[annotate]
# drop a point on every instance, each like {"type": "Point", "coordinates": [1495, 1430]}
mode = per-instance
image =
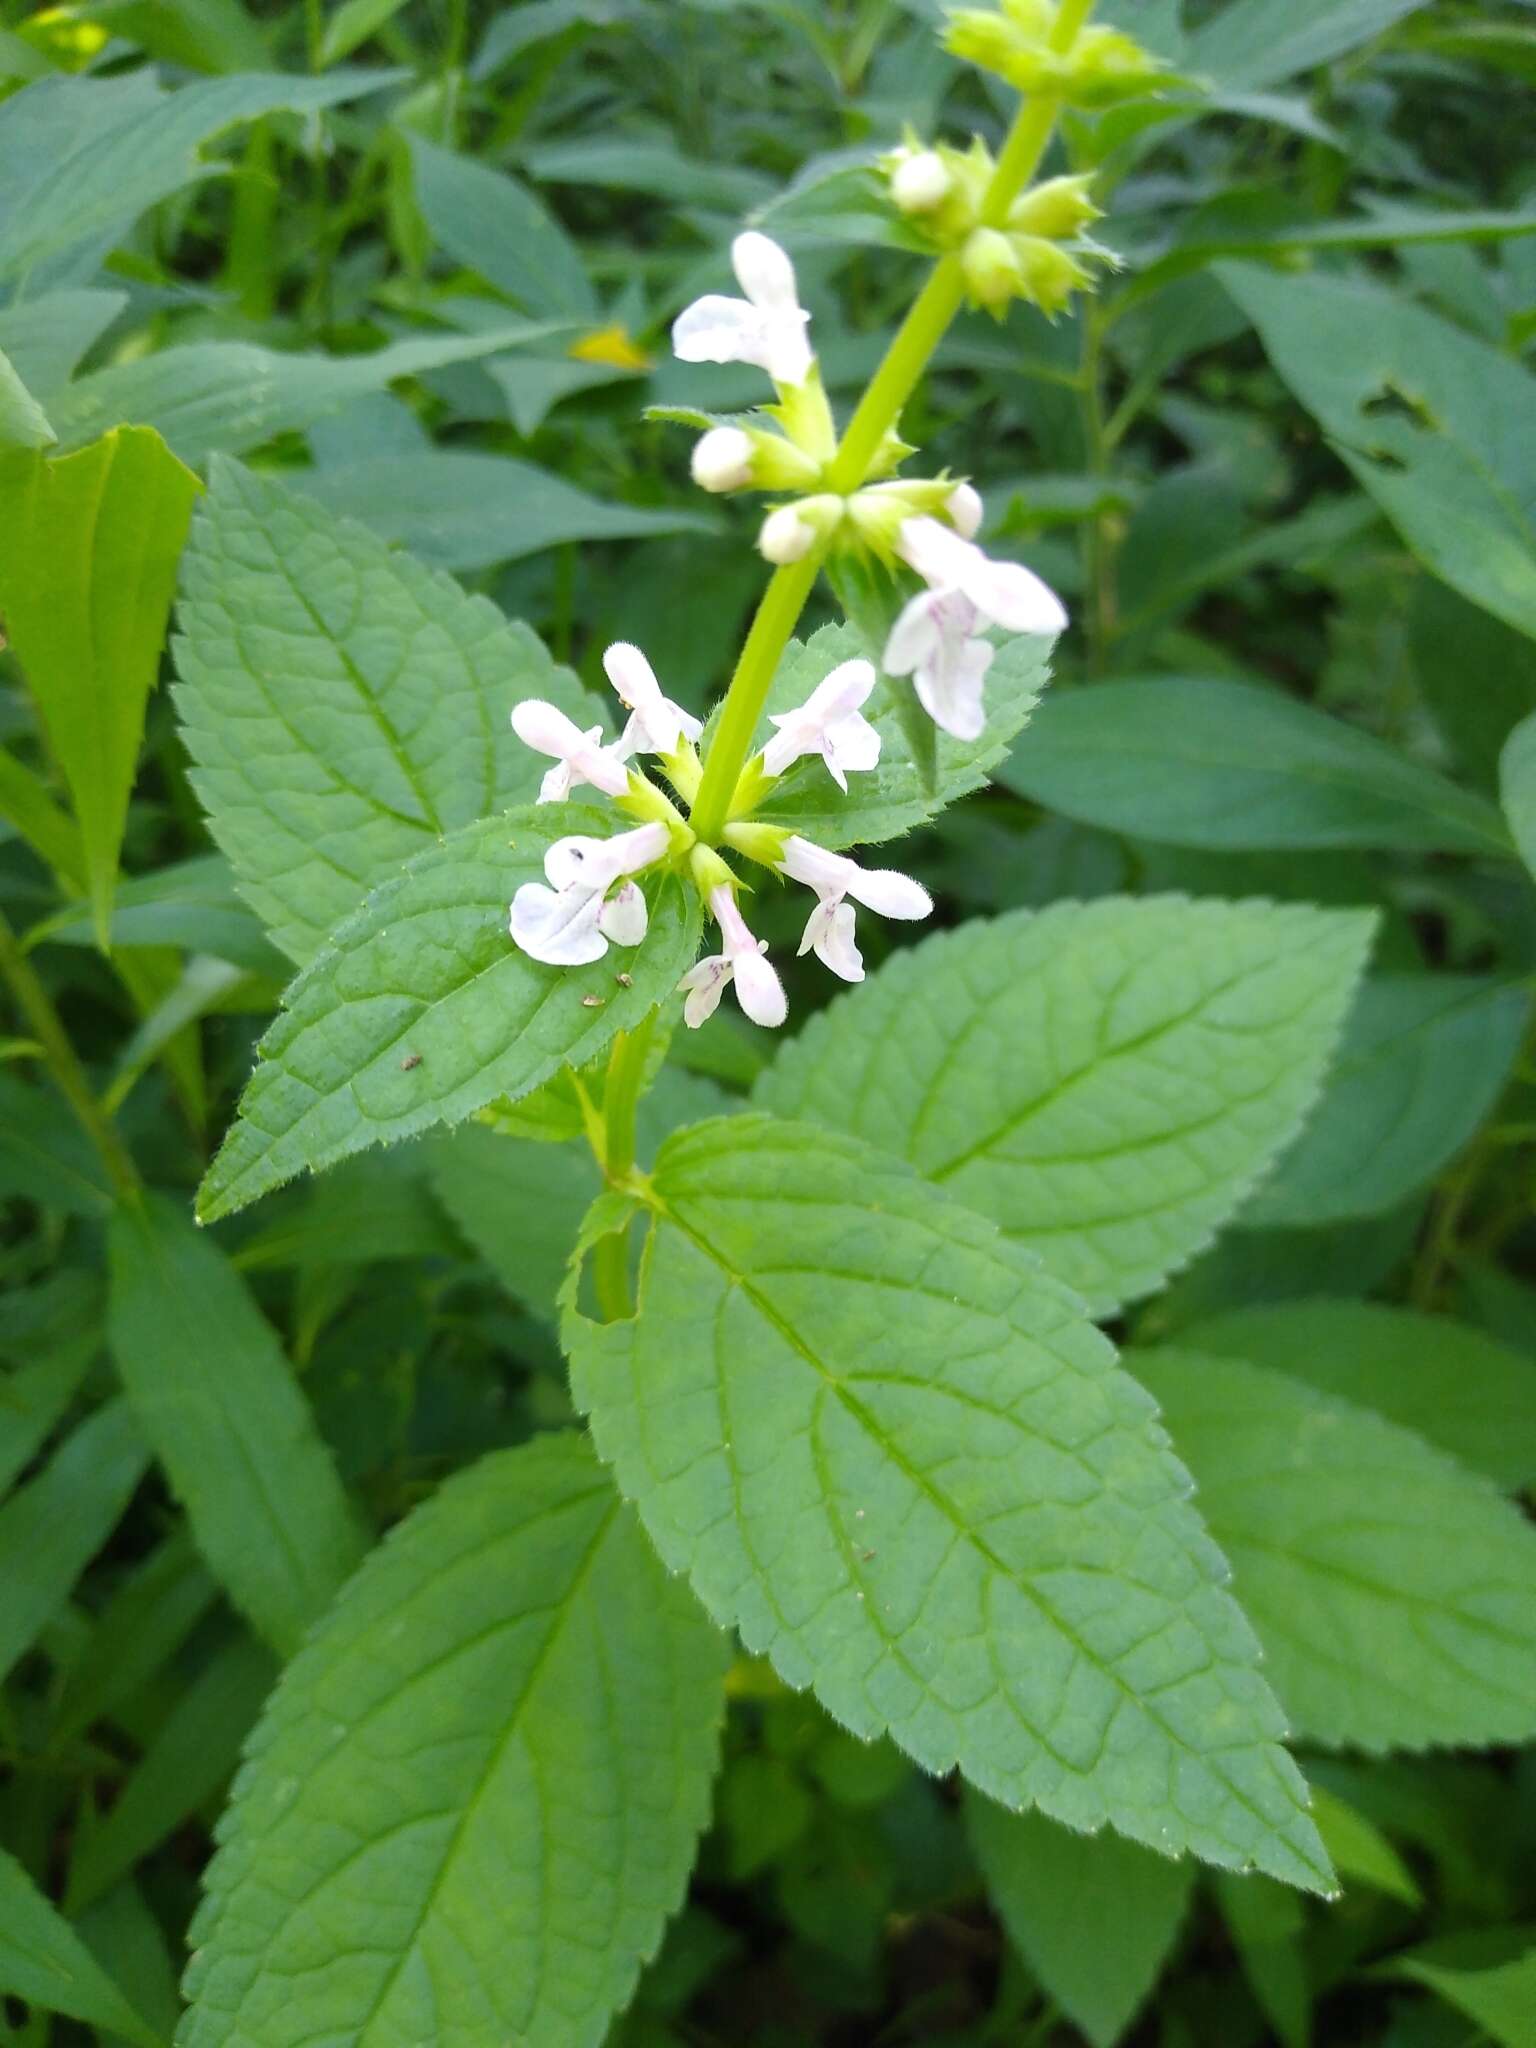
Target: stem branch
{"type": "Point", "coordinates": [877, 412]}
{"type": "Point", "coordinates": [36, 1006]}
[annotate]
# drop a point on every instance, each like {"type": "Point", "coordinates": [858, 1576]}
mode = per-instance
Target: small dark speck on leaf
{"type": "Point", "coordinates": [412, 1059]}
{"type": "Point", "coordinates": [625, 980]}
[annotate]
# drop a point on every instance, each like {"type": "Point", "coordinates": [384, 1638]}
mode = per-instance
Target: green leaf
{"type": "Point", "coordinates": [46, 1156]}
{"type": "Point", "coordinates": [46, 337]}
{"type": "Point", "coordinates": [473, 1801]}
{"type": "Point", "coordinates": [1394, 1591]}
{"type": "Point", "coordinates": [44, 1961]}
{"type": "Point", "coordinates": [1490, 1975]}
{"type": "Point", "coordinates": [1246, 44]}
{"type": "Point", "coordinates": [898, 795]}
{"type": "Point", "coordinates": [1196, 762]}
{"type": "Point", "coordinates": [493, 225]}
{"type": "Point", "coordinates": [227, 396]}
{"type": "Point", "coordinates": [1106, 1081]}
{"type": "Point", "coordinates": [345, 707]}
{"type": "Point", "coordinates": [1434, 423]}
{"type": "Point", "coordinates": [23, 423]}
{"type": "Point", "coordinates": [31, 1401]}
{"type": "Point", "coordinates": [464, 509]}
{"type": "Point", "coordinates": [1423, 1060]}
{"type": "Point", "coordinates": [86, 578]}
{"type": "Point", "coordinates": [1517, 787]}
{"type": "Point", "coordinates": [191, 905]}
{"type": "Point", "coordinates": [1360, 1852]}
{"type": "Point", "coordinates": [1454, 1385]}
{"type": "Point", "coordinates": [351, 24]}
{"type": "Point", "coordinates": [81, 159]}
{"type": "Point", "coordinates": [1094, 1917]}
{"type": "Point", "coordinates": [1268, 1927]}
{"type": "Point", "coordinates": [421, 1010]}
{"type": "Point", "coordinates": [53, 1526]}
{"type": "Point", "coordinates": [190, 1757]}
{"type": "Point", "coordinates": [27, 806]}
{"type": "Point", "coordinates": [891, 1450]}
{"type": "Point", "coordinates": [142, 1626]}
{"type": "Point", "coordinates": [217, 1399]}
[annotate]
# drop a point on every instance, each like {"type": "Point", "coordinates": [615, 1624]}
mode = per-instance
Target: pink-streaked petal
{"type": "Point", "coordinates": [704, 984]}
{"type": "Point", "coordinates": [623, 916]}
{"type": "Point", "coordinates": [853, 743]}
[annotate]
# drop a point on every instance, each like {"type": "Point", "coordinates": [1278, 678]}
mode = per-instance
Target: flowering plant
{"type": "Point", "coordinates": [811, 1181]}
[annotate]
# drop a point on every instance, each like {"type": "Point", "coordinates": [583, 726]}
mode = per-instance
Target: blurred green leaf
{"type": "Point", "coordinates": [1094, 1916]}
{"type": "Point", "coordinates": [216, 1397]}
{"type": "Point", "coordinates": [1424, 1059]}
{"type": "Point", "coordinates": [51, 1527]}
{"type": "Point", "coordinates": [86, 579]}
{"type": "Point", "coordinates": [1191, 761]}
{"type": "Point", "coordinates": [44, 1961]}
{"type": "Point", "coordinates": [1456, 1386]}
{"type": "Point", "coordinates": [1393, 1590]}
{"type": "Point", "coordinates": [1439, 427]}
{"type": "Point", "coordinates": [487, 221]}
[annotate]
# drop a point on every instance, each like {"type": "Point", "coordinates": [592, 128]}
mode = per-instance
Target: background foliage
{"type": "Point", "coordinates": [418, 260]}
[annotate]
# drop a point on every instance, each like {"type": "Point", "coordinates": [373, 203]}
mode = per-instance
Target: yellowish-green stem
{"type": "Point", "coordinates": [877, 412]}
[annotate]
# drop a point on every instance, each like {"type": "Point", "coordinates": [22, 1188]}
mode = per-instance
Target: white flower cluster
{"type": "Point", "coordinates": [937, 640]}
{"type": "Point", "coordinates": [591, 897]}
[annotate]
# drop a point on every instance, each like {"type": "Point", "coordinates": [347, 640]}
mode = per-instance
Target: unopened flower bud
{"type": "Point", "coordinates": [785, 537]}
{"type": "Point", "coordinates": [993, 274]}
{"type": "Point", "coordinates": [722, 460]}
{"type": "Point", "coordinates": [1050, 275]}
{"type": "Point", "coordinates": [921, 182]}
{"type": "Point", "coordinates": [965, 510]}
{"type": "Point", "coordinates": [1057, 209]}
{"type": "Point", "coordinates": [791, 531]}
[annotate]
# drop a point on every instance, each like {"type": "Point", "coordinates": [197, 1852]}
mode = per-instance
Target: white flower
{"type": "Point", "coordinates": [722, 460]}
{"type": "Point", "coordinates": [570, 923]}
{"type": "Point", "coordinates": [766, 328]}
{"type": "Point", "coordinates": [829, 929]}
{"type": "Point", "coordinates": [828, 723]}
{"type": "Point", "coordinates": [655, 722]}
{"type": "Point", "coordinates": [578, 755]}
{"type": "Point", "coordinates": [935, 639]}
{"type": "Point", "coordinates": [758, 989]}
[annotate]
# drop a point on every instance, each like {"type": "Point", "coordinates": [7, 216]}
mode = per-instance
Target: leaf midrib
{"type": "Point", "coordinates": [861, 1415]}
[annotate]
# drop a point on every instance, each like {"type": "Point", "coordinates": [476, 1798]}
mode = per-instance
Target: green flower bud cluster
{"type": "Point", "coordinates": [942, 192]}
{"type": "Point", "coordinates": [1101, 66]}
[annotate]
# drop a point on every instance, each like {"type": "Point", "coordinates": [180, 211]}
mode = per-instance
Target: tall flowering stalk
{"type": "Point", "coordinates": [997, 236]}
